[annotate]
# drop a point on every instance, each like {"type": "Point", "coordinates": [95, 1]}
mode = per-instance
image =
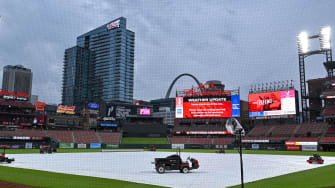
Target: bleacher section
{"type": "Point", "coordinates": [329, 136]}
{"type": "Point", "coordinates": [190, 140]}
{"type": "Point", "coordinates": [69, 136]}
{"type": "Point", "coordinates": [62, 136]}
{"type": "Point", "coordinates": [283, 130]}
{"type": "Point", "coordinates": [308, 132]}
{"type": "Point", "coordinates": [179, 140]}
{"type": "Point", "coordinates": [326, 140]}
{"type": "Point", "coordinates": [9, 133]}
{"type": "Point", "coordinates": [312, 128]}
{"type": "Point", "coordinates": [305, 139]}
{"type": "Point", "coordinates": [109, 138]}
{"type": "Point", "coordinates": [85, 137]}
{"type": "Point", "coordinates": [200, 141]}
{"type": "Point", "coordinates": [260, 130]}
{"type": "Point", "coordinates": [200, 128]}
{"type": "Point", "coordinates": [223, 141]}
{"type": "Point", "coordinates": [31, 132]}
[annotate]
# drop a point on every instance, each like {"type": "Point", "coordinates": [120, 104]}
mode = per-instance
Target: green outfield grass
{"type": "Point", "coordinates": [55, 180]}
{"type": "Point", "coordinates": [137, 140]}
{"type": "Point", "coordinates": [265, 152]}
{"type": "Point", "coordinates": [318, 177]}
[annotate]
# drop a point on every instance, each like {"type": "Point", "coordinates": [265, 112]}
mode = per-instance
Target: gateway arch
{"type": "Point", "coordinates": [175, 80]}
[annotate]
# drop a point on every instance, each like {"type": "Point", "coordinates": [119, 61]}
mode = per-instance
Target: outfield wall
{"type": "Point", "coordinates": [288, 146]}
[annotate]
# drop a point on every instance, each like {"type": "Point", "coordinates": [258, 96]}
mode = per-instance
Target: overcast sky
{"type": "Point", "coordinates": [240, 43]}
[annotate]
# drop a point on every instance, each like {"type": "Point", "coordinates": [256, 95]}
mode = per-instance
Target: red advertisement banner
{"type": "Point", "coordinates": [207, 109]}
{"type": "Point", "coordinates": [293, 148]}
{"type": "Point", "coordinates": [264, 102]}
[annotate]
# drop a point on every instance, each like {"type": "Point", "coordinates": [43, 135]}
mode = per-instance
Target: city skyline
{"type": "Point", "coordinates": [212, 41]}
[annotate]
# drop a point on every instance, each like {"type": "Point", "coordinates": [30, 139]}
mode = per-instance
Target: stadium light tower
{"type": "Point", "coordinates": [303, 42]}
{"type": "Point", "coordinates": [303, 52]}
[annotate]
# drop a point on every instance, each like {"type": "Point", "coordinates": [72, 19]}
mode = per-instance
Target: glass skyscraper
{"type": "Point", "coordinates": [17, 79]}
{"type": "Point", "coordinates": [101, 66]}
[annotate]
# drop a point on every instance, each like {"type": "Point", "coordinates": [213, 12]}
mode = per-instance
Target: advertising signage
{"type": "Point", "coordinates": [15, 96]}
{"type": "Point", "coordinates": [205, 90]}
{"type": "Point", "coordinates": [93, 105]}
{"type": "Point", "coordinates": [40, 105]}
{"type": "Point", "coordinates": [208, 106]}
{"type": "Point", "coordinates": [144, 111]}
{"type": "Point", "coordinates": [108, 124]}
{"type": "Point", "coordinates": [65, 109]}
{"type": "Point", "coordinates": [272, 104]}
{"type": "Point", "coordinates": [121, 111]}
{"type": "Point", "coordinates": [113, 25]}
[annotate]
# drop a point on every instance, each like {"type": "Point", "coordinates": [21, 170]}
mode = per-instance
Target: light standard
{"type": "Point", "coordinates": [303, 52]}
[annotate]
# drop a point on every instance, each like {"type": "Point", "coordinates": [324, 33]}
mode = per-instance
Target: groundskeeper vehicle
{"type": "Point", "coordinates": [3, 158]}
{"type": "Point", "coordinates": [47, 149]}
{"type": "Point", "coordinates": [174, 162]}
{"type": "Point", "coordinates": [316, 158]}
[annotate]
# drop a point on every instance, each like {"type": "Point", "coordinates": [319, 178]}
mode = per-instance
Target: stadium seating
{"type": "Point", "coordinates": [32, 132]}
{"type": "Point", "coordinates": [255, 138]}
{"type": "Point", "coordinates": [260, 130]}
{"type": "Point", "coordinates": [329, 136]}
{"type": "Point", "coordinates": [66, 136]}
{"type": "Point", "coordinates": [85, 137]}
{"type": "Point", "coordinates": [200, 141]}
{"type": "Point", "coordinates": [305, 139]}
{"type": "Point", "coordinates": [9, 133]}
{"type": "Point", "coordinates": [280, 130]}
{"type": "Point", "coordinates": [109, 138]}
{"type": "Point", "coordinates": [315, 129]}
{"type": "Point", "coordinates": [223, 140]}
{"type": "Point", "coordinates": [328, 140]}
{"type": "Point", "coordinates": [61, 136]}
{"type": "Point", "coordinates": [179, 140]}
{"type": "Point", "coordinates": [279, 137]}
{"type": "Point", "coordinates": [331, 131]}
{"type": "Point", "coordinates": [200, 128]}
{"type": "Point", "coordinates": [328, 111]}
{"type": "Point", "coordinates": [266, 138]}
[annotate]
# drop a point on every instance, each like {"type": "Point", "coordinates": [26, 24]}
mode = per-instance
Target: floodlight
{"type": "Point", "coordinates": [302, 42]}
{"type": "Point", "coordinates": [325, 38]}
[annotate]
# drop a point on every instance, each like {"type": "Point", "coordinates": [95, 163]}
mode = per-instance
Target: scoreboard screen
{"type": "Point", "coordinates": [208, 107]}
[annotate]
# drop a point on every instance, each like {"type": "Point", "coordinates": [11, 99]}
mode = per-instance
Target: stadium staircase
{"type": "Point", "coordinates": [323, 134]}
{"type": "Point", "coordinates": [295, 131]}
{"type": "Point", "coordinates": [73, 137]}
{"type": "Point", "coordinates": [269, 131]}
{"type": "Point", "coordinates": [98, 136]}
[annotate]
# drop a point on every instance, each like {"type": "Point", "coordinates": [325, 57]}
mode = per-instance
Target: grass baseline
{"type": "Point", "coordinates": [317, 177]}
{"type": "Point", "coordinates": [60, 180]}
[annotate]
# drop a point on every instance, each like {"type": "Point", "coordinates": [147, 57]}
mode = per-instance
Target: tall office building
{"type": "Point", "coordinates": [17, 79]}
{"type": "Point", "coordinates": [106, 64]}
{"type": "Point", "coordinates": [76, 72]}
